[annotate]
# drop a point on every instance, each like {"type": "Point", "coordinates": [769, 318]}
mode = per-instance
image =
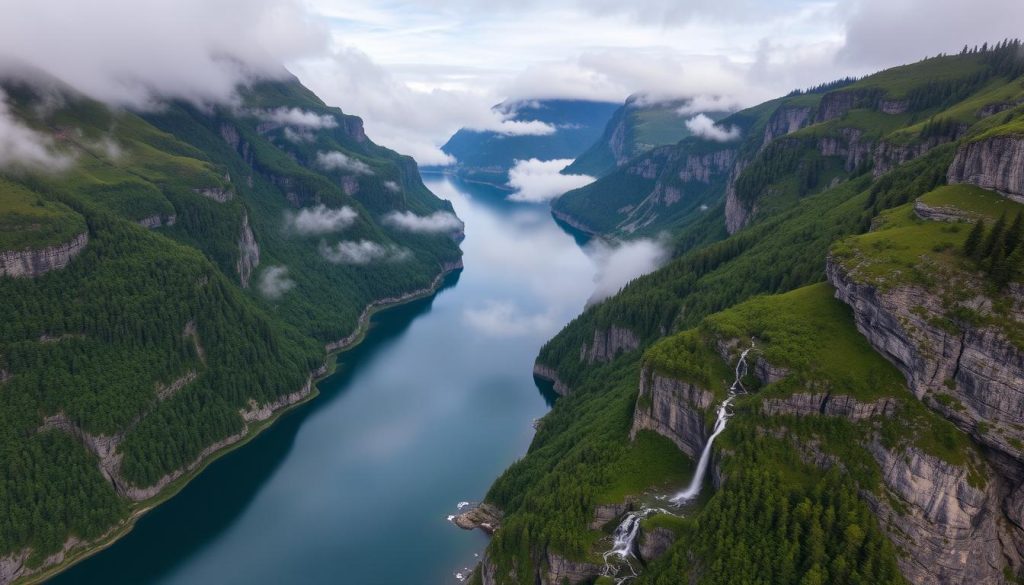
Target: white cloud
{"type": "Point", "coordinates": [705, 127]}
{"type": "Point", "coordinates": [362, 252]}
{"type": "Point", "coordinates": [437, 222]}
{"type": "Point", "coordinates": [507, 319]}
{"type": "Point", "coordinates": [274, 282]}
{"type": "Point", "coordinates": [298, 118]}
{"type": "Point", "coordinates": [709, 103]}
{"type": "Point", "coordinates": [392, 186]}
{"type": "Point", "coordinates": [129, 52]}
{"type": "Point", "coordinates": [334, 161]}
{"type": "Point", "coordinates": [21, 146]}
{"type": "Point", "coordinates": [541, 180]}
{"type": "Point", "coordinates": [618, 265]}
{"type": "Point", "coordinates": [320, 219]}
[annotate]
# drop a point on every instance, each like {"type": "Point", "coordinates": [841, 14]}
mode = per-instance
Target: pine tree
{"type": "Point", "coordinates": [995, 237]}
{"type": "Point", "coordinates": [1013, 235]}
{"type": "Point", "coordinates": [974, 238]}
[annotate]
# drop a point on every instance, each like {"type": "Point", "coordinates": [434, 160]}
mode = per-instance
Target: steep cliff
{"type": "Point", "coordinates": [991, 163]}
{"type": "Point", "coordinates": [674, 409]}
{"type": "Point", "coordinates": [32, 263]}
{"type": "Point", "coordinates": [248, 253]}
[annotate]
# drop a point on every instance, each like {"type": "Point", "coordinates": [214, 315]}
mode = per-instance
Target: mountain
{"type": "Point", "coordinates": [172, 280]}
{"type": "Point", "coordinates": [487, 156]}
{"type": "Point", "coordinates": [636, 127]}
{"type": "Point", "coordinates": [847, 316]}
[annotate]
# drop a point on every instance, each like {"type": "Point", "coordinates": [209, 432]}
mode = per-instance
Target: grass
{"type": "Point", "coordinates": [812, 334]}
{"type": "Point", "coordinates": [898, 81]}
{"type": "Point", "coordinates": [975, 201]}
{"type": "Point", "coordinates": [652, 462]}
{"type": "Point", "coordinates": [29, 221]}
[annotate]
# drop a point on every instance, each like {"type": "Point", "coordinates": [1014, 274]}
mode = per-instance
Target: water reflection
{"type": "Point", "coordinates": [355, 487]}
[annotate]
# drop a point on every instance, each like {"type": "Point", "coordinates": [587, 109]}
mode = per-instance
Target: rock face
{"type": "Point", "coordinates": [948, 533]}
{"type": "Point", "coordinates": [551, 375]}
{"type": "Point", "coordinates": [848, 145]}
{"type": "Point", "coordinates": [786, 120]}
{"type": "Point", "coordinates": [248, 253]}
{"type": "Point", "coordinates": [158, 220]}
{"type": "Point", "coordinates": [561, 570]}
{"type": "Point", "coordinates": [805, 404]}
{"type": "Point", "coordinates": [654, 543]}
{"type": "Point", "coordinates": [736, 213]}
{"type": "Point", "coordinates": [605, 513]}
{"type": "Point", "coordinates": [672, 408]}
{"type": "Point", "coordinates": [995, 163]}
{"type": "Point", "coordinates": [486, 517]}
{"type": "Point", "coordinates": [836, 103]}
{"type": "Point", "coordinates": [608, 344]}
{"type": "Point", "coordinates": [217, 194]}
{"type": "Point", "coordinates": [951, 214]}
{"type": "Point", "coordinates": [32, 263]}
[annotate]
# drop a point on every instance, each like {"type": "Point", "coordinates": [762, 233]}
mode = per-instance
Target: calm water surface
{"type": "Point", "coordinates": [355, 487]}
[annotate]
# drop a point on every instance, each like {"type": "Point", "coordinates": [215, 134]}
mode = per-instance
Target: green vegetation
{"type": "Point", "coordinates": [149, 338]}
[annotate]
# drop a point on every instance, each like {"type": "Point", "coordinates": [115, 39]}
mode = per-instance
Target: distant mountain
{"type": "Point", "coordinates": [636, 127]}
{"type": "Point", "coordinates": [487, 156]}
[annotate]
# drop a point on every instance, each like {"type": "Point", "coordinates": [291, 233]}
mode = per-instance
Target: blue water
{"type": "Point", "coordinates": [355, 486]}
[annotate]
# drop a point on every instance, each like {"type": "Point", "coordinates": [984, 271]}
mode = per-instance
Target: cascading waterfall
{"type": "Point", "coordinates": [624, 545]}
{"type": "Point", "coordinates": [693, 490]}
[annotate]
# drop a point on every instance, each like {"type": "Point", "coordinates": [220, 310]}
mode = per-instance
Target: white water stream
{"type": "Point", "coordinates": [624, 538]}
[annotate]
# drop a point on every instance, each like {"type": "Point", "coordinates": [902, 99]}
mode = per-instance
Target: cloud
{"type": "Point", "coordinates": [298, 118]}
{"type": "Point", "coordinates": [536, 180]}
{"type": "Point", "coordinates": [134, 53]}
{"type": "Point", "coordinates": [274, 282]}
{"type": "Point", "coordinates": [335, 161]}
{"type": "Point", "coordinates": [362, 252]}
{"type": "Point", "coordinates": [618, 265]}
{"type": "Point", "coordinates": [705, 127]}
{"type": "Point", "coordinates": [507, 319]}
{"type": "Point", "coordinates": [440, 221]}
{"type": "Point", "coordinates": [21, 146]}
{"type": "Point", "coordinates": [320, 220]}
{"type": "Point", "coordinates": [709, 103]}
{"type": "Point", "coordinates": [392, 186]}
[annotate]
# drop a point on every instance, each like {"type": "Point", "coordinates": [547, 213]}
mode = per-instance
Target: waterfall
{"type": "Point", "coordinates": [624, 544]}
{"type": "Point", "coordinates": [693, 489]}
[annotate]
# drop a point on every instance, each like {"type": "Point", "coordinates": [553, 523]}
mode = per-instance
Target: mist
{"type": "Point", "coordinates": [362, 252]}
{"type": "Point", "coordinates": [274, 282]}
{"type": "Point", "coordinates": [617, 265]}
{"type": "Point", "coordinates": [536, 181]}
{"type": "Point", "coordinates": [320, 220]}
{"type": "Point", "coordinates": [704, 127]}
{"type": "Point", "coordinates": [437, 222]}
{"type": "Point", "coordinates": [21, 146]}
{"type": "Point", "coordinates": [338, 161]}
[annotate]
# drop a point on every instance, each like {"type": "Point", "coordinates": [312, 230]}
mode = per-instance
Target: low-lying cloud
{"type": "Point", "coordinates": [709, 103]}
{"type": "Point", "coordinates": [274, 282]}
{"type": "Point", "coordinates": [339, 161]}
{"type": "Point", "coordinates": [392, 186]}
{"type": "Point", "coordinates": [320, 220]}
{"type": "Point", "coordinates": [705, 127]}
{"type": "Point", "coordinates": [362, 252]}
{"type": "Point", "coordinates": [507, 319]}
{"type": "Point", "coordinates": [298, 118]}
{"type": "Point", "coordinates": [618, 265]}
{"type": "Point", "coordinates": [21, 146]}
{"type": "Point", "coordinates": [537, 180]}
{"type": "Point", "coordinates": [437, 222]}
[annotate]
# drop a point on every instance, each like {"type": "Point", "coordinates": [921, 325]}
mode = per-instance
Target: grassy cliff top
{"type": "Point", "coordinates": [29, 221]}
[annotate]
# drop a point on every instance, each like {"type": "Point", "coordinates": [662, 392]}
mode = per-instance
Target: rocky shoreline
{"type": "Point", "coordinates": [12, 567]}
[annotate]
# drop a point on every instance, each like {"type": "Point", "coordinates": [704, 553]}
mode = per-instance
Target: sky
{"type": "Point", "coordinates": [417, 71]}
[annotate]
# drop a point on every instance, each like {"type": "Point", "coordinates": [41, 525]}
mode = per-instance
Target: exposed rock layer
{"type": "Point", "coordinates": [995, 163]}
{"type": "Point", "coordinates": [32, 263]}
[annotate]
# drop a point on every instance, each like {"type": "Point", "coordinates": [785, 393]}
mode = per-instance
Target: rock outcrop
{"type": "Point", "coordinates": [945, 529]}
{"type": "Point", "coordinates": [806, 404]}
{"type": "Point", "coordinates": [737, 214]}
{"type": "Point", "coordinates": [158, 220]}
{"type": "Point", "coordinates": [609, 343]}
{"type": "Point", "coordinates": [786, 120]}
{"type": "Point", "coordinates": [216, 193]}
{"type": "Point", "coordinates": [248, 253]}
{"type": "Point", "coordinates": [995, 163]}
{"type": "Point", "coordinates": [605, 513]}
{"type": "Point", "coordinates": [486, 517]}
{"type": "Point", "coordinates": [654, 543]}
{"type": "Point", "coordinates": [551, 375]}
{"type": "Point", "coordinates": [561, 570]}
{"type": "Point", "coordinates": [951, 214]}
{"type": "Point", "coordinates": [674, 409]}
{"type": "Point", "coordinates": [31, 263]}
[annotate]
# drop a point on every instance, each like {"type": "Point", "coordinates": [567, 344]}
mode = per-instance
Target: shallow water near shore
{"type": "Point", "coordinates": [356, 486]}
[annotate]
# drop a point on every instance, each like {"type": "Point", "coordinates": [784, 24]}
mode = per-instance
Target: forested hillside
{"type": "Point", "coordinates": [862, 242]}
{"type": "Point", "coordinates": [169, 282]}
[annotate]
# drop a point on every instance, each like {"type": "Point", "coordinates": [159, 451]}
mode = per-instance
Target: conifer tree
{"type": "Point", "coordinates": [974, 238]}
{"type": "Point", "coordinates": [995, 237]}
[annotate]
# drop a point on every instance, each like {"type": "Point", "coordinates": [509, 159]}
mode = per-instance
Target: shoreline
{"type": "Point", "coordinates": [255, 428]}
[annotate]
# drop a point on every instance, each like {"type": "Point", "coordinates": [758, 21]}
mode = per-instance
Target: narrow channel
{"type": "Point", "coordinates": [355, 487]}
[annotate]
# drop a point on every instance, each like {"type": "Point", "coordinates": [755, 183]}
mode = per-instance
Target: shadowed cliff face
{"type": "Point", "coordinates": [31, 263]}
{"type": "Point", "coordinates": [993, 163]}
